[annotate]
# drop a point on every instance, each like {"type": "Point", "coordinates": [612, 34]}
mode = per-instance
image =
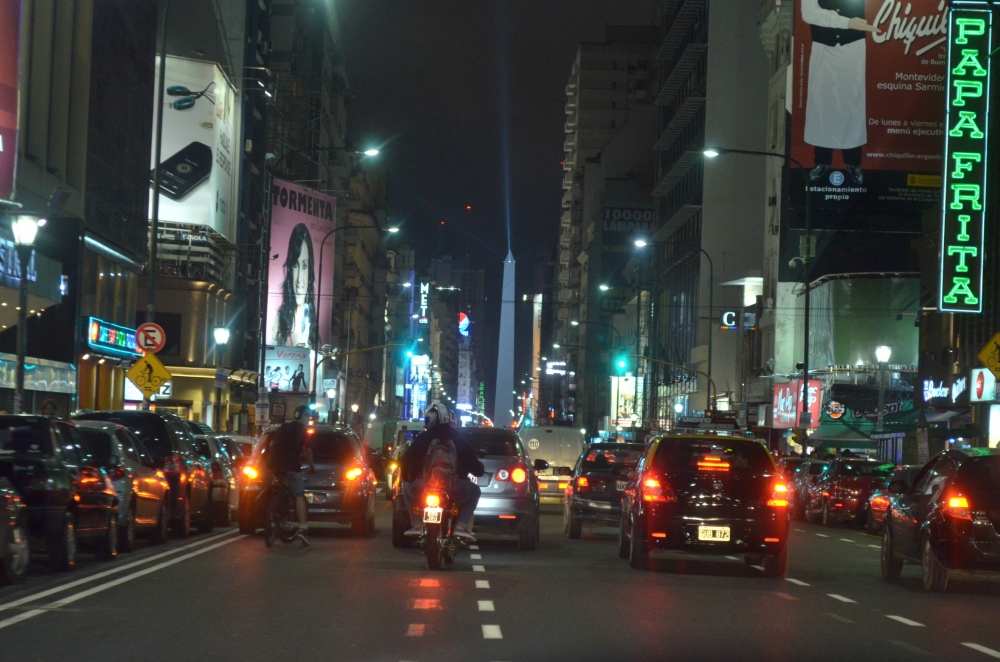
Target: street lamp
{"type": "Point", "coordinates": [805, 418]}
{"type": "Point", "coordinates": [603, 288]}
{"type": "Point", "coordinates": [371, 152]}
{"type": "Point", "coordinates": [882, 354]}
{"type": "Point", "coordinates": [25, 229]}
{"type": "Point", "coordinates": [221, 334]}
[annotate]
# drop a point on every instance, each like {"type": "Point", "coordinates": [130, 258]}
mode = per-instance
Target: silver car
{"type": "Point", "coordinates": [509, 503]}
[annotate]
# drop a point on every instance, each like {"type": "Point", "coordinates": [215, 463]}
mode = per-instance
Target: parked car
{"type": "Point", "coordinates": [947, 519]}
{"type": "Point", "coordinates": [706, 494]}
{"type": "Point", "coordinates": [165, 437]}
{"type": "Point", "coordinates": [599, 479]}
{"type": "Point", "coordinates": [15, 552]}
{"type": "Point", "coordinates": [224, 492]}
{"type": "Point", "coordinates": [237, 452]}
{"type": "Point", "coordinates": [243, 443]}
{"type": "Point", "coordinates": [143, 493]}
{"type": "Point", "coordinates": [841, 492]}
{"type": "Point", "coordinates": [894, 484]}
{"type": "Point", "coordinates": [560, 447]}
{"type": "Point", "coordinates": [68, 499]}
{"type": "Point", "coordinates": [788, 464]}
{"type": "Point", "coordinates": [805, 476]}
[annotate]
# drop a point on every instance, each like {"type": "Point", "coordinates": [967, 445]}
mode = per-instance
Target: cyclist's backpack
{"type": "Point", "coordinates": [440, 463]}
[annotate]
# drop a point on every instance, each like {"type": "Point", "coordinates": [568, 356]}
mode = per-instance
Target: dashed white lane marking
{"type": "Point", "coordinates": [758, 567]}
{"type": "Point", "coordinates": [476, 557]}
{"type": "Point", "coordinates": [796, 581]}
{"type": "Point", "coordinates": [478, 568]}
{"type": "Point", "coordinates": [822, 535]}
{"type": "Point", "coordinates": [875, 546]}
{"type": "Point", "coordinates": [982, 649]}
{"type": "Point", "coordinates": [842, 598]}
{"type": "Point", "coordinates": [482, 583]}
{"type": "Point", "coordinates": [905, 621]}
{"type": "Point", "coordinates": [801, 530]}
{"type": "Point", "coordinates": [492, 632]}
{"type": "Point", "coordinates": [847, 540]}
{"type": "Point", "coordinates": [732, 558]}
{"type": "Point", "coordinates": [909, 647]}
{"type": "Point", "coordinates": [486, 605]}
{"type": "Point", "coordinates": [426, 604]}
{"type": "Point", "coordinates": [59, 604]}
{"type": "Point", "coordinates": [838, 617]}
{"type": "Point", "coordinates": [473, 546]}
{"type": "Point", "coordinates": [785, 595]}
{"type": "Point", "coordinates": [416, 630]}
{"type": "Point", "coordinates": [122, 568]}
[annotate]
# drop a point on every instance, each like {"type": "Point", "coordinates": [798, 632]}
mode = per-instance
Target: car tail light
{"type": "Point", "coordinates": [712, 463]}
{"type": "Point", "coordinates": [879, 503]}
{"type": "Point", "coordinates": [432, 500]}
{"type": "Point", "coordinates": [582, 484]}
{"type": "Point", "coordinates": [779, 496]}
{"type": "Point", "coordinates": [216, 470]}
{"type": "Point", "coordinates": [90, 477]}
{"type": "Point", "coordinates": [173, 463]}
{"type": "Point", "coordinates": [117, 473]}
{"type": "Point", "coordinates": [518, 475]}
{"type": "Point", "coordinates": [958, 507]}
{"type": "Point", "coordinates": [772, 540]}
{"type": "Point", "coordinates": [653, 490]}
{"type": "Point", "coordinates": [250, 472]}
{"type": "Point", "coordinates": [353, 474]}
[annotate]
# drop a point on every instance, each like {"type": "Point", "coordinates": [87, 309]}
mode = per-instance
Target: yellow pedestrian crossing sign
{"type": "Point", "coordinates": [990, 355]}
{"type": "Point", "coordinates": [148, 374]}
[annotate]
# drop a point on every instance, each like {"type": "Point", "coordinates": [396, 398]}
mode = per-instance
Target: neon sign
{"type": "Point", "coordinates": [463, 324]}
{"type": "Point", "coordinates": [425, 294]}
{"type": "Point", "coordinates": [964, 195]}
{"type": "Point", "coordinates": [107, 338]}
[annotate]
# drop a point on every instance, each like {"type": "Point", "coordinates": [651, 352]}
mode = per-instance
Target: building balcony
{"type": "Point", "coordinates": [688, 110]}
{"type": "Point", "coordinates": [679, 28]}
{"type": "Point", "coordinates": [688, 62]}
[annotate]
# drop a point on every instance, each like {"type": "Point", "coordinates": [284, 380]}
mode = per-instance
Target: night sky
{"type": "Point", "coordinates": [434, 83]}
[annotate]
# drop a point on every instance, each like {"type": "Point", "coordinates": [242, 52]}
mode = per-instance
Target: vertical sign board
{"type": "Point", "coordinates": [967, 127]}
{"type": "Point", "coordinates": [10, 46]}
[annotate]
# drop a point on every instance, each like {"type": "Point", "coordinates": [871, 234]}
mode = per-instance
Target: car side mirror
{"type": "Point", "coordinates": [897, 487]}
{"type": "Point", "coordinates": [564, 471]}
{"type": "Point", "coordinates": [541, 465]}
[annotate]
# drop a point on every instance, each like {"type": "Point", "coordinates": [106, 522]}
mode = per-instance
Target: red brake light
{"type": "Point", "coordinates": [518, 475]}
{"type": "Point", "coordinates": [652, 490]}
{"type": "Point", "coordinates": [250, 472]}
{"type": "Point", "coordinates": [432, 500]}
{"type": "Point", "coordinates": [958, 507]}
{"type": "Point", "coordinates": [779, 496]}
{"type": "Point", "coordinates": [712, 463]}
{"type": "Point", "coordinates": [353, 474]}
{"type": "Point", "coordinates": [879, 503]}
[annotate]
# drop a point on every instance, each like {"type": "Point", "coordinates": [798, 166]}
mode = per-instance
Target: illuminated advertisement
{"type": "Point", "coordinates": [287, 369]}
{"type": "Point", "coordinates": [300, 220]}
{"type": "Point", "coordinates": [967, 123]}
{"type": "Point", "coordinates": [786, 403]}
{"type": "Point", "coordinates": [425, 295]}
{"type": "Point", "coordinates": [463, 324]}
{"type": "Point", "coordinates": [199, 159]}
{"type": "Point", "coordinates": [108, 338]}
{"type": "Point", "coordinates": [10, 46]}
{"type": "Point", "coordinates": [418, 383]}
{"type": "Point", "coordinates": [626, 399]}
{"type": "Point", "coordinates": [983, 387]}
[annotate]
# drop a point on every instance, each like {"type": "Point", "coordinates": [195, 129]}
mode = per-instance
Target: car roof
{"type": "Point", "coordinates": [130, 412]}
{"type": "Point", "coordinates": [106, 426]}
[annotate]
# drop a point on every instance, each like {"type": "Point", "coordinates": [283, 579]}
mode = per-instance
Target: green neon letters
{"type": "Point", "coordinates": [964, 194]}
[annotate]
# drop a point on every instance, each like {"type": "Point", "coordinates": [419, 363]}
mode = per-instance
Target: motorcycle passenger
{"type": "Point", "coordinates": [420, 468]}
{"type": "Point", "coordinates": [289, 448]}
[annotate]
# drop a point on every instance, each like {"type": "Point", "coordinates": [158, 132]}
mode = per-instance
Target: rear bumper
{"type": "Point", "coordinates": [334, 505]}
{"type": "Point", "coordinates": [505, 514]}
{"type": "Point", "coordinates": [766, 534]}
{"type": "Point", "coordinates": [594, 510]}
{"type": "Point", "coordinates": [849, 510]}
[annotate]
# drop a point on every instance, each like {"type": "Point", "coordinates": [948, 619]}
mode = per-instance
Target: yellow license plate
{"type": "Point", "coordinates": [713, 533]}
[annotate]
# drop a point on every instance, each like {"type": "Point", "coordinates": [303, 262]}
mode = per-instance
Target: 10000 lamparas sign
{"type": "Point", "coordinates": [964, 195]}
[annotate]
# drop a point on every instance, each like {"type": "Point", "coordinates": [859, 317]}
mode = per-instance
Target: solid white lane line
{"type": "Point", "coordinates": [486, 605]}
{"type": "Point", "coordinates": [492, 632]}
{"type": "Point", "coordinates": [100, 575]}
{"type": "Point", "coordinates": [982, 649]}
{"type": "Point", "coordinates": [795, 581]}
{"type": "Point", "coordinates": [482, 583]}
{"type": "Point", "coordinates": [905, 621]}
{"type": "Point", "coordinates": [847, 540]}
{"type": "Point", "coordinates": [842, 598]}
{"type": "Point", "coordinates": [875, 546]}
{"type": "Point", "coordinates": [478, 568]}
{"type": "Point", "coordinates": [822, 535]}
{"type": "Point", "coordinates": [416, 630]}
{"type": "Point", "coordinates": [103, 587]}
{"type": "Point", "coordinates": [476, 557]}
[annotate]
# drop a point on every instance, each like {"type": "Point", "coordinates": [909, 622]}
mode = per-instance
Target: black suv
{"type": "Point", "coordinates": [947, 520]}
{"type": "Point", "coordinates": [68, 498]}
{"type": "Point", "coordinates": [165, 437]}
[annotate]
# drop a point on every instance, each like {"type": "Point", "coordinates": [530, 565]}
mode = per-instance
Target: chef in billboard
{"type": "Point", "coordinates": [295, 324]}
{"type": "Point", "coordinates": [836, 114]}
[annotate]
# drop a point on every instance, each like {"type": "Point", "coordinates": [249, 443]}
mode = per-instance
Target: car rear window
{"type": "Point", "coordinates": [599, 458]}
{"type": "Point", "coordinates": [866, 469]}
{"type": "Point", "coordinates": [151, 430]}
{"type": "Point", "coordinates": [711, 455]}
{"type": "Point", "coordinates": [980, 477]}
{"type": "Point", "coordinates": [25, 436]}
{"type": "Point", "coordinates": [99, 445]}
{"type": "Point", "coordinates": [492, 441]}
{"type": "Point", "coordinates": [332, 448]}
{"type": "Point", "coordinates": [200, 447]}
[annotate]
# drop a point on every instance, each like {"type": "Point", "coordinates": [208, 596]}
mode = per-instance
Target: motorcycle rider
{"type": "Point", "coordinates": [464, 493]}
{"type": "Point", "coordinates": [290, 447]}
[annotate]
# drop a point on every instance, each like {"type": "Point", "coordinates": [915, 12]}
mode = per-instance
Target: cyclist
{"type": "Point", "coordinates": [464, 493]}
{"type": "Point", "coordinates": [290, 446]}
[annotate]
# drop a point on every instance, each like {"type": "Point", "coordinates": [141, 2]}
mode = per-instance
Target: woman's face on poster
{"type": "Point", "coordinates": [300, 275]}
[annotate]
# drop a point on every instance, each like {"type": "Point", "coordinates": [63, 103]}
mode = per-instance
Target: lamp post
{"type": "Point", "coordinates": [882, 353]}
{"type": "Point", "coordinates": [805, 418]}
{"type": "Point", "coordinates": [221, 334]}
{"type": "Point", "coordinates": [25, 229]}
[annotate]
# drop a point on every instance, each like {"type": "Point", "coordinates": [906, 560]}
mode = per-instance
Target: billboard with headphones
{"type": "Point", "coordinates": [199, 155]}
{"type": "Point", "coordinates": [10, 45]}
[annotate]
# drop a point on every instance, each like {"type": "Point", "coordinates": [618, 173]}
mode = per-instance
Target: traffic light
{"type": "Point", "coordinates": [621, 361]}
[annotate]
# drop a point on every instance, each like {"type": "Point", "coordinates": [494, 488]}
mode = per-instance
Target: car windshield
{"type": "Point", "coordinates": [492, 441]}
{"type": "Point", "coordinates": [99, 445]}
{"type": "Point", "coordinates": [606, 458]}
{"type": "Point", "coordinates": [150, 429]}
{"type": "Point", "coordinates": [711, 455]}
{"type": "Point", "coordinates": [980, 477]}
{"type": "Point", "coordinates": [29, 436]}
{"type": "Point", "coordinates": [865, 469]}
{"type": "Point", "coordinates": [333, 448]}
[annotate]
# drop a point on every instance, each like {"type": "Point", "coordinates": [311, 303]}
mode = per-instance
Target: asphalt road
{"type": "Point", "coordinates": [224, 596]}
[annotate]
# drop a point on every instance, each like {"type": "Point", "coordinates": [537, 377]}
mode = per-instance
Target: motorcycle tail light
{"type": "Point", "coordinates": [432, 500]}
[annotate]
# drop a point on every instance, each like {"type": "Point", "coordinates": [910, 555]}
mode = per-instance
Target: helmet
{"type": "Point", "coordinates": [302, 413]}
{"type": "Point", "coordinates": [436, 414]}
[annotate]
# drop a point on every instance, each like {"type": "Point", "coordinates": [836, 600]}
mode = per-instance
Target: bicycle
{"type": "Point", "coordinates": [280, 520]}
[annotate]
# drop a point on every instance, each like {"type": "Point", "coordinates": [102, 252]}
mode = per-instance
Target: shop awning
{"type": "Point", "coordinates": [839, 435]}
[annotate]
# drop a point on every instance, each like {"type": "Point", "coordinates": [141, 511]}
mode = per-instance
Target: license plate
{"type": "Point", "coordinates": [621, 485]}
{"type": "Point", "coordinates": [432, 515]}
{"type": "Point", "coordinates": [713, 533]}
{"type": "Point", "coordinates": [481, 481]}
{"type": "Point", "coordinates": [314, 498]}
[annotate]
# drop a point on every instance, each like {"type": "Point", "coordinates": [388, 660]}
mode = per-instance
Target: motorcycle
{"type": "Point", "coordinates": [439, 515]}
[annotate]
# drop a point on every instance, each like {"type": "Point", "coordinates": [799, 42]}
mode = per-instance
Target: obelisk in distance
{"type": "Point", "coordinates": [504, 396]}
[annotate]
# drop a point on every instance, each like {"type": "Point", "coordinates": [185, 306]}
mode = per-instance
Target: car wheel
{"type": "Point", "coordinates": [207, 521]}
{"type": "Point", "coordinates": [182, 526]}
{"type": "Point", "coordinates": [891, 563]}
{"type": "Point", "coordinates": [638, 549]}
{"type": "Point", "coordinates": [126, 534]}
{"type": "Point", "coordinates": [62, 545]}
{"type": "Point", "coordinates": [107, 547]}
{"type": "Point", "coordinates": [158, 536]}
{"type": "Point", "coordinates": [528, 539]}
{"type": "Point", "coordinates": [775, 565]}
{"type": "Point", "coordinates": [223, 514]}
{"type": "Point", "coordinates": [622, 540]}
{"type": "Point", "coordinates": [935, 574]}
{"type": "Point", "coordinates": [573, 527]}
{"type": "Point", "coordinates": [400, 523]}
{"type": "Point", "coordinates": [871, 525]}
{"type": "Point", "coordinates": [16, 555]}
